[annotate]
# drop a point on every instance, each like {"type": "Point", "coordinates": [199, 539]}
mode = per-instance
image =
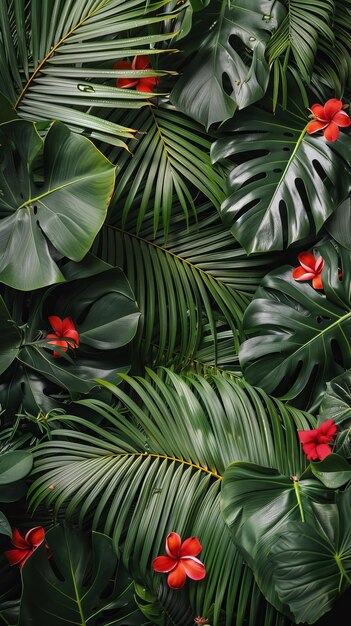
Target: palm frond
{"type": "Point", "coordinates": [171, 161]}
{"type": "Point", "coordinates": [57, 59]}
{"type": "Point", "coordinates": [158, 468]}
{"type": "Point", "coordinates": [186, 289]}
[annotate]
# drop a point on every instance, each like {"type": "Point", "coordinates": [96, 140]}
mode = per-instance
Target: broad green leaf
{"type": "Point", "coordinates": [5, 528]}
{"type": "Point", "coordinates": [312, 563]}
{"type": "Point", "coordinates": [67, 208]}
{"type": "Point", "coordinates": [299, 337]}
{"type": "Point", "coordinates": [77, 589]}
{"type": "Point", "coordinates": [105, 313]}
{"type": "Point", "coordinates": [13, 491]}
{"type": "Point", "coordinates": [336, 405]}
{"type": "Point", "coordinates": [14, 465]}
{"type": "Point", "coordinates": [338, 224]}
{"type": "Point", "coordinates": [286, 183]}
{"type": "Point", "coordinates": [334, 471]}
{"type": "Point", "coordinates": [10, 338]}
{"type": "Point", "coordinates": [155, 465]}
{"type": "Point", "coordinates": [230, 46]}
{"type": "Point", "coordinates": [257, 503]}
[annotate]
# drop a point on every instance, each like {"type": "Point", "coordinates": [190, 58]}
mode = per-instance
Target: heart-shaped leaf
{"type": "Point", "coordinates": [231, 40]}
{"type": "Point", "coordinates": [301, 335]}
{"type": "Point", "coordinates": [54, 192]}
{"type": "Point", "coordinates": [286, 183]}
{"type": "Point", "coordinates": [257, 503]}
{"type": "Point", "coordinates": [74, 585]}
{"type": "Point", "coordinates": [312, 563]}
{"type": "Point", "coordinates": [14, 465]}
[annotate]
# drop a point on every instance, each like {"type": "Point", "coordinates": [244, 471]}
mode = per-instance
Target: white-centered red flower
{"type": "Point", "coordinates": [310, 269]}
{"type": "Point", "coordinates": [181, 561]}
{"type": "Point", "coordinates": [65, 335]}
{"type": "Point", "coordinates": [328, 118]}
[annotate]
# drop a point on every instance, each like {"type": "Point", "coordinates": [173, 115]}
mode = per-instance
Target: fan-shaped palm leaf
{"type": "Point", "coordinates": [57, 59]}
{"type": "Point", "coordinates": [201, 276]}
{"type": "Point", "coordinates": [161, 469]}
{"type": "Point", "coordinates": [171, 161]}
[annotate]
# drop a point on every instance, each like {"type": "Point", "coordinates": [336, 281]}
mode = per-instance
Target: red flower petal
{"type": "Point", "coordinates": [28, 555]}
{"type": "Point", "coordinates": [319, 265]}
{"type": "Point", "coordinates": [332, 132]}
{"type": "Point", "coordinates": [35, 536]}
{"type": "Point", "coordinates": [126, 83]}
{"type": "Point", "coordinates": [317, 282]}
{"type": "Point", "coordinates": [56, 324]}
{"type": "Point", "coordinates": [318, 112]}
{"type": "Point", "coordinates": [327, 428]}
{"type": "Point", "coordinates": [18, 541]}
{"type": "Point", "coordinates": [140, 62]}
{"type": "Point", "coordinates": [310, 449]}
{"type": "Point", "coordinates": [164, 564]}
{"type": "Point", "coordinates": [307, 260]}
{"type": "Point", "coordinates": [190, 547]}
{"type": "Point", "coordinates": [315, 126]}
{"type": "Point", "coordinates": [16, 556]}
{"type": "Point", "coordinates": [307, 436]}
{"type": "Point", "coordinates": [342, 119]}
{"type": "Point", "coordinates": [122, 65]}
{"type": "Point", "coordinates": [61, 343]}
{"type": "Point", "coordinates": [194, 568]}
{"type": "Point", "coordinates": [173, 543]}
{"type": "Point", "coordinates": [323, 450]}
{"type": "Point", "coordinates": [147, 84]}
{"type": "Point", "coordinates": [331, 107]}
{"type": "Point", "coordinates": [300, 274]}
{"type": "Point", "coordinates": [176, 579]}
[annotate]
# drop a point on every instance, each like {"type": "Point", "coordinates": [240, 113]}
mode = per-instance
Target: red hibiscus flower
{"type": "Point", "coordinates": [65, 330]}
{"type": "Point", "coordinates": [328, 118]}
{"type": "Point", "coordinates": [310, 269]}
{"type": "Point", "coordinates": [315, 442]}
{"type": "Point", "coordinates": [181, 561]}
{"type": "Point", "coordinates": [24, 547]}
{"type": "Point", "coordinates": [141, 62]}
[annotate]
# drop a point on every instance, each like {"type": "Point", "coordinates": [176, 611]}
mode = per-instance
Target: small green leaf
{"type": "Point", "coordinates": [333, 472]}
{"type": "Point", "coordinates": [14, 466]}
{"type": "Point", "coordinates": [5, 528]}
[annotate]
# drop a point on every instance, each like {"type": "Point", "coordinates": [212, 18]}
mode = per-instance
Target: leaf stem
{"type": "Point", "coordinates": [298, 497]}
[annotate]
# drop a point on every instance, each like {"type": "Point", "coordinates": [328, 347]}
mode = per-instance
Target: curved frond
{"type": "Point", "coordinates": [170, 162]}
{"type": "Point", "coordinates": [157, 467]}
{"type": "Point", "coordinates": [57, 59]}
{"type": "Point", "coordinates": [200, 277]}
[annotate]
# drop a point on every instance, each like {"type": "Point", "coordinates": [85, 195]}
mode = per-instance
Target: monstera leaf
{"type": "Point", "coordinates": [54, 195]}
{"type": "Point", "coordinates": [336, 405]}
{"type": "Point", "coordinates": [257, 503]}
{"type": "Point", "coordinates": [11, 338]}
{"type": "Point", "coordinates": [301, 336]}
{"type": "Point", "coordinates": [338, 225]}
{"type": "Point", "coordinates": [74, 585]}
{"type": "Point", "coordinates": [231, 47]}
{"type": "Point", "coordinates": [312, 564]}
{"type": "Point", "coordinates": [105, 314]}
{"type": "Point", "coordinates": [286, 183]}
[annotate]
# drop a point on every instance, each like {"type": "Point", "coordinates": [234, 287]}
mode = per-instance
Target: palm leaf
{"type": "Point", "coordinates": [304, 22]}
{"type": "Point", "coordinates": [159, 468]}
{"type": "Point", "coordinates": [186, 288]}
{"type": "Point", "coordinates": [171, 162]}
{"type": "Point", "coordinates": [57, 63]}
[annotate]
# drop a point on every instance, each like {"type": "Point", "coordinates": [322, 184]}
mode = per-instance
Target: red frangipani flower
{"type": "Point", "coordinates": [315, 442]}
{"type": "Point", "coordinates": [310, 269]}
{"type": "Point", "coordinates": [141, 62]}
{"type": "Point", "coordinates": [24, 546]}
{"type": "Point", "coordinates": [328, 118]}
{"type": "Point", "coordinates": [181, 561]}
{"type": "Point", "coordinates": [65, 330]}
